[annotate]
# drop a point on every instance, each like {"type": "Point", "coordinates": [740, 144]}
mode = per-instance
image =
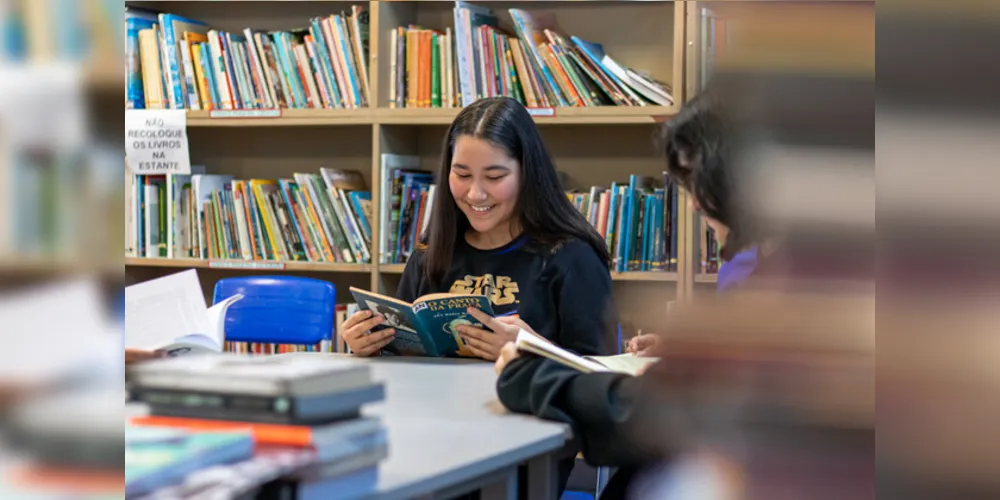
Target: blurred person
{"type": "Point", "coordinates": [600, 406]}
{"type": "Point", "coordinates": [696, 144]}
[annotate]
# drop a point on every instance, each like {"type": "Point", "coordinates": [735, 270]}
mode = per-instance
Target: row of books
{"type": "Point", "coordinates": [638, 221]}
{"type": "Point", "coordinates": [172, 62]}
{"type": "Point", "coordinates": [331, 344]}
{"type": "Point", "coordinates": [328, 217]}
{"type": "Point", "coordinates": [539, 67]}
{"type": "Point", "coordinates": [314, 218]}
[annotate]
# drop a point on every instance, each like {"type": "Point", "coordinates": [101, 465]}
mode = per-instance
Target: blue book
{"type": "Point", "coordinates": [428, 326]}
{"type": "Point", "coordinates": [134, 92]}
{"type": "Point", "coordinates": [173, 27]}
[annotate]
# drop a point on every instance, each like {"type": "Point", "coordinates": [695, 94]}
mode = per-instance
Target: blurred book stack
{"type": "Point", "coordinates": [303, 413]}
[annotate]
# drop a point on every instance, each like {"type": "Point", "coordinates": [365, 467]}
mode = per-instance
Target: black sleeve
{"type": "Point", "coordinates": [588, 317]}
{"type": "Point", "coordinates": [413, 276]}
{"type": "Point", "coordinates": [600, 407]}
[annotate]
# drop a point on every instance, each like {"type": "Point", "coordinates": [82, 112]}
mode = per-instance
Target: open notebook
{"type": "Point", "coordinates": [628, 364]}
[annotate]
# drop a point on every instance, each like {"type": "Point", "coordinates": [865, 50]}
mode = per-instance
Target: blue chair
{"type": "Point", "coordinates": [278, 309]}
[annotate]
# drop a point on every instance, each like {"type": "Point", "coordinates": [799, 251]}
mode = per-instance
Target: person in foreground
{"type": "Point", "coordinates": [504, 229]}
{"type": "Point", "coordinates": [600, 406]}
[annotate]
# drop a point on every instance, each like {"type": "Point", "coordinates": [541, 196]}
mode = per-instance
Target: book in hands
{"type": "Point", "coordinates": [624, 363]}
{"type": "Point", "coordinates": [428, 326]}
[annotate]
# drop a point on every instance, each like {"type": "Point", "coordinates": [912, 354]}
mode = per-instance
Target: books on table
{"type": "Point", "coordinates": [428, 326]}
{"type": "Point", "coordinates": [158, 456]}
{"type": "Point", "coordinates": [303, 411]}
{"type": "Point", "coordinates": [623, 363]}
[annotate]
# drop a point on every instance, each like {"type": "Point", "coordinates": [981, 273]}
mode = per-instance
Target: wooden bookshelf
{"type": "Point", "coordinates": [651, 276]}
{"type": "Point", "coordinates": [591, 145]}
{"type": "Point", "coordinates": [607, 115]}
{"type": "Point", "coordinates": [248, 265]}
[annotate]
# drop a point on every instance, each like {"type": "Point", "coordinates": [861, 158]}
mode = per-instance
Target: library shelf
{"type": "Point", "coordinates": [706, 278]}
{"type": "Point", "coordinates": [654, 276]}
{"type": "Point", "coordinates": [279, 118]}
{"type": "Point", "coordinates": [103, 76]}
{"type": "Point", "coordinates": [391, 268]}
{"type": "Point", "coordinates": [42, 265]}
{"type": "Point", "coordinates": [247, 265]}
{"type": "Point", "coordinates": [593, 115]}
{"type": "Point", "coordinates": [596, 115]}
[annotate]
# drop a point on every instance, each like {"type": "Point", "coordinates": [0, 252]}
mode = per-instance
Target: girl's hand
{"type": "Point", "coordinates": [508, 353]}
{"type": "Point", "coordinates": [358, 335]}
{"type": "Point", "coordinates": [133, 356]}
{"type": "Point", "coordinates": [486, 344]}
{"type": "Point", "coordinates": [642, 345]}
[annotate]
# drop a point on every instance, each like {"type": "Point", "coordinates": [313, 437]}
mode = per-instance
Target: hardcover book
{"type": "Point", "coordinates": [428, 326]}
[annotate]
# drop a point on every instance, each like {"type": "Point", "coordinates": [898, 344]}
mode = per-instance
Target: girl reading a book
{"type": "Point", "coordinates": [504, 229]}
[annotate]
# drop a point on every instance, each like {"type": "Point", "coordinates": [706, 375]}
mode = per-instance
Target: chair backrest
{"type": "Point", "coordinates": [278, 309]}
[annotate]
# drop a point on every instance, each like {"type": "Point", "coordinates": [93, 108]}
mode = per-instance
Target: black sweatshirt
{"type": "Point", "coordinates": [563, 293]}
{"type": "Point", "coordinates": [603, 410]}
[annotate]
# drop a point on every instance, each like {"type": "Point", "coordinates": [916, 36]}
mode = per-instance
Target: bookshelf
{"type": "Point", "coordinates": [591, 145]}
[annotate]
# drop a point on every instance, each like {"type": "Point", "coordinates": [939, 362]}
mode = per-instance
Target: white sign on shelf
{"type": "Point", "coordinates": [156, 141]}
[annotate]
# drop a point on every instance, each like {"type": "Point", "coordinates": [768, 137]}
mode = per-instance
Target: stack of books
{"type": "Point", "coordinates": [303, 412]}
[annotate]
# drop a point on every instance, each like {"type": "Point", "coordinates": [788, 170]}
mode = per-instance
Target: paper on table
{"type": "Point", "coordinates": [159, 311]}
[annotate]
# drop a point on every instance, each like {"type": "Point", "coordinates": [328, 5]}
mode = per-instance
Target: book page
{"type": "Point", "coordinates": [191, 344]}
{"type": "Point", "coordinates": [625, 363]}
{"type": "Point", "coordinates": [535, 345]}
{"type": "Point", "coordinates": [159, 311]}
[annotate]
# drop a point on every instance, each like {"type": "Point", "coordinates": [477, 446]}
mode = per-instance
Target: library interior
{"type": "Point", "coordinates": [544, 250]}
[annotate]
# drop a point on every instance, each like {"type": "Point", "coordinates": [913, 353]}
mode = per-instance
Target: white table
{"type": "Point", "coordinates": [448, 433]}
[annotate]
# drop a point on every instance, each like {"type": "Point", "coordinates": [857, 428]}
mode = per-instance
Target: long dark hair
{"type": "Point", "coordinates": [545, 215]}
{"type": "Point", "coordinates": [700, 144]}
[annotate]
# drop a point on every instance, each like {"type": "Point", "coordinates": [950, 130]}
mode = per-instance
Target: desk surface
{"type": "Point", "coordinates": [446, 426]}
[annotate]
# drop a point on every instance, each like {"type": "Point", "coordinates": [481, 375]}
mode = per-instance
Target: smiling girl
{"type": "Point", "coordinates": [505, 229]}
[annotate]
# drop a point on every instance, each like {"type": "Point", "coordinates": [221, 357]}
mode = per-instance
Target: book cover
{"type": "Point", "coordinates": [428, 326]}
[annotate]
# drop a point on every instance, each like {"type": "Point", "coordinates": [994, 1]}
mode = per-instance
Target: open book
{"type": "Point", "coordinates": [169, 314]}
{"type": "Point", "coordinates": [428, 326]}
{"type": "Point", "coordinates": [628, 364]}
